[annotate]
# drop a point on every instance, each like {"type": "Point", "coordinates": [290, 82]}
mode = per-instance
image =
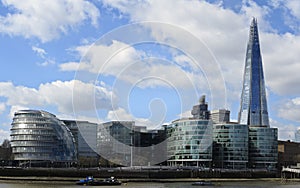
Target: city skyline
{"type": "Point", "coordinates": [40, 57]}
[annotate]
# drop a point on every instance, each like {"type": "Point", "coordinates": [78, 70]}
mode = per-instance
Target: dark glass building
{"type": "Point", "coordinates": [230, 149]}
{"type": "Point", "coordinates": [123, 143]}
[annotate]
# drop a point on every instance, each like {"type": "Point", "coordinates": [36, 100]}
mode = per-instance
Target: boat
{"type": "Point", "coordinates": [203, 183]}
{"type": "Point", "coordinates": [106, 182]}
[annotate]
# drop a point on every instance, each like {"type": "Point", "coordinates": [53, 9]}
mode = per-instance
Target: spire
{"type": "Point", "coordinates": [253, 109]}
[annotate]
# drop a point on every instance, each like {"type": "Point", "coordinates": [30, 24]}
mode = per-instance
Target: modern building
{"type": "Point", "coordinates": [189, 140]}
{"type": "Point", "coordinates": [85, 135]}
{"type": "Point", "coordinates": [38, 138]}
{"type": "Point", "coordinates": [230, 148]}
{"type": "Point", "coordinates": [253, 109]}
{"type": "Point", "coordinates": [200, 111]}
{"type": "Point", "coordinates": [123, 143]}
{"type": "Point", "coordinates": [114, 141]}
{"type": "Point", "coordinates": [297, 135]}
{"type": "Point", "coordinates": [220, 116]}
{"type": "Point", "coordinates": [263, 148]}
{"type": "Point", "coordinates": [149, 146]}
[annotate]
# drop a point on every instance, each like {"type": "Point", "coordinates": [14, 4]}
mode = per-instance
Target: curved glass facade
{"type": "Point", "coordinates": [40, 136]}
{"type": "Point", "coordinates": [230, 146]}
{"type": "Point", "coordinates": [263, 148]}
{"type": "Point", "coordinates": [189, 143]}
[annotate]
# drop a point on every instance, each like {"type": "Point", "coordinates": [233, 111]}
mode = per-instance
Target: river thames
{"type": "Point", "coordinates": [252, 184]}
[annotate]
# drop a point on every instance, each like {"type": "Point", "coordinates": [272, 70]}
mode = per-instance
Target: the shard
{"type": "Point", "coordinates": [253, 111]}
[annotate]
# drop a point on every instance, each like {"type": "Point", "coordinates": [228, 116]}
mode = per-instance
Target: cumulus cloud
{"type": "Point", "coordinates": [46, 20]}
{"type": "Point", "coordinates": [225, 33]}
{"type": "Point", "coordinates": [286, 131]}
{"type": "Point", "coordinates": [289, 109]}
{"type": "Point", "coordinates": [120, 114]}
{"type": "Point", "coordinates": [128, 64]}
{"type": "Point", "coordinates": [62, 95]}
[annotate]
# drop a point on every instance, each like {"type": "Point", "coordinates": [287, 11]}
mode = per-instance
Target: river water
{"type": "Point", "coordinates": [248, 184]}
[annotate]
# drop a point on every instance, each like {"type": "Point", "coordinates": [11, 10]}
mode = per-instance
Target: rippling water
{"type": "Point", "coordinates": [252, 184]}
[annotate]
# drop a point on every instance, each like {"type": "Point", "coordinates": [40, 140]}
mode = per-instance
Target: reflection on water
{"type": "Point", "coordinates": [252, 184]}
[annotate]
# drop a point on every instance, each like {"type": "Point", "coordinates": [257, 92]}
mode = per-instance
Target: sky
{"type": "Point", "coordinates": [147, 61]}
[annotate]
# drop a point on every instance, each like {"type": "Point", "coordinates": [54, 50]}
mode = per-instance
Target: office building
{"type": "Point", "coordinates": [297, 135]}
{"type": "Point", "coordinates": [124, 143]}
{"type": "Point", "coordinates": [85, 135]}
{"type": "Point", "coordinates": [189, 140]}
{"type": "Point", "coordinates": [253, 109]}
{"type": "Point", "coordinates": [38, 138]}
{"type": "Point", "coordinates": [230, 148]}
{"type": "Point", "coordinates": [114, 140]}
{"type": "Point", "coordinates": [220, 116]}
{"type": "Point", "coordinates": [200, 111]}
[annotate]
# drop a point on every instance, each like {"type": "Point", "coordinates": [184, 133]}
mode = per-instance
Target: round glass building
{"type": "Point", "coordinates": [190, 143]}
{"type": "Point", "coordinates": [38, 138]}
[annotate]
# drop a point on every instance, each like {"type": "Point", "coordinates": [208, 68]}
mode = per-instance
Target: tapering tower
{"type": "Point", "coordinates": [253, 109]}
{"type": "Point", "coordinates": [262, 140]}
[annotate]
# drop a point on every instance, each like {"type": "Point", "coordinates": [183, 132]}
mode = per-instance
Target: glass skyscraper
{"type": "Point", "coordinates": [253, 110]}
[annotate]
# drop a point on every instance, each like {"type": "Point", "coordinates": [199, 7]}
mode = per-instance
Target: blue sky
{"type": "Point", "coordinates": [147, 61]}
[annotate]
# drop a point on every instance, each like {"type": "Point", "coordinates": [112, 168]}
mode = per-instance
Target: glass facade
{"type": "Point", "coordinates": [85, 135]}
{"type": "Point", "coordinates": [253, 110]}
{"type": "Point", "coordinates": [230, 149]}
{"type": "Point", "coordinates": [263, 148]}
{"type": "Point", "coordinates": [189, 143]}
{"type": "Point", "coordinates": [114, 140]}
{"type": "Point", "coordinates": [39, 137]}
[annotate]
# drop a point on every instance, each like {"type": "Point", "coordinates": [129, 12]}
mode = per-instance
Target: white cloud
{"type": "Point", "coordinates": [20, 95]}
{"type": "Point", "coordinates": [285, 131]}
{"type": "Point", "coordinates": [46, 20]}
{"type": "Point", "coordinates": [185, 114]}
{"type": "Point", "coordinates": [126, 63]}
{"type": "Point", "coordinates": [41, 52]}
{"type": "Point", "coordinates": [2, 107]}
{"type": "Point", "coordinates": [294, 6]}
{"type": "Point", "coordinates": [225, 33]}
{"type": "Point", "coordinates": [43, 55]}
{"type": "Point", "coordinates": [62, 95]}
{"type": "Point", "coordinates": [281, 62]}
{"type": "Point", "coordinates": [289, 109]}
{"type": "Point", "coordinates": [120, 114]}
{"type": "Point", "coordinates": [4, 135]}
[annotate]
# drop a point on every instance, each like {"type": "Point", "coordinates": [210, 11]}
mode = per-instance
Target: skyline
{"type": "Point", "coordinates": [40, 57]}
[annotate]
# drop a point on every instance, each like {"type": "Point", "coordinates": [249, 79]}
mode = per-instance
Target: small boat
{"type": "Point", "coordinates": [203, 183]}
{"type": "Point", "coordinates": [106, 182]}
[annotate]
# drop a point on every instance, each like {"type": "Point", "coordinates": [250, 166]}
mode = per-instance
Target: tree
{"type": "Point", "coordinates": [5, 143]}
